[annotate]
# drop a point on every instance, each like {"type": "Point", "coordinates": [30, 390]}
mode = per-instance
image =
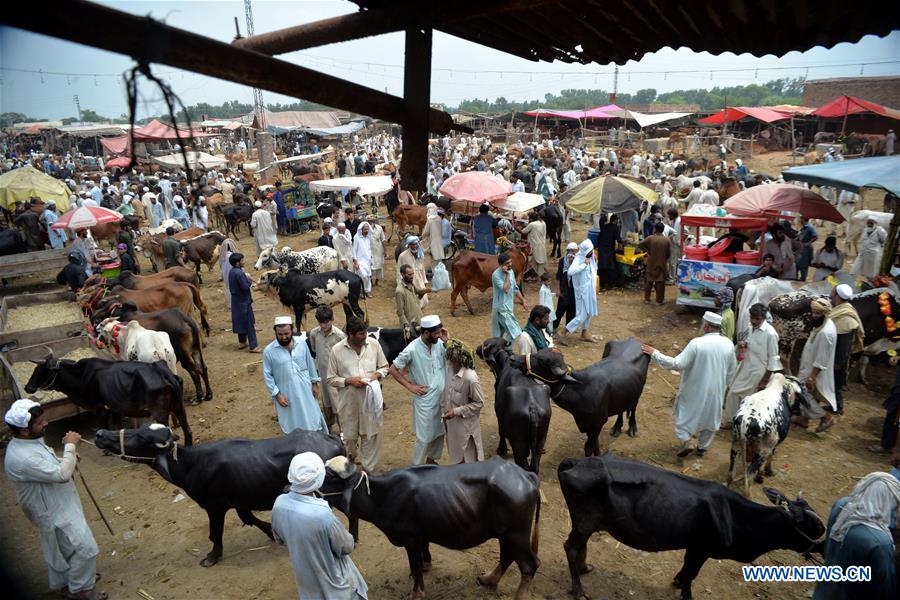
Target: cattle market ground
{"type": "Point", "coordinates": [160, 537]}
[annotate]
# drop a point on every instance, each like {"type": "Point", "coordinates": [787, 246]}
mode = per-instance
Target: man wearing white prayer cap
{"type": "Point", "coordinates": [850, 338]}
{"type": "Point", "coordinates": [292, 379]}
{"type": "Point", "coordinates": [425, 358]}
{"type": "Point", "coordinates": [263, 229]}
{"type": "Point", "coordinates": [317, 541]}
{"type": "Point", "coordinates": [706, 365]}
{"type": "Point", "coordinates": [46, 492]}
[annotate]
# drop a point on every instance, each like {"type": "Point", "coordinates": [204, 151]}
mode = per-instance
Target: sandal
{"type": "Point", "coordinates": [256, 350]}
{"type": "Point", "coordinates": [825, 426]}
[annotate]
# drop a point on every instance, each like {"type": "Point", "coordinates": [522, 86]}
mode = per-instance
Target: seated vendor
{"type": "Point", "coordinates": [736, 243]}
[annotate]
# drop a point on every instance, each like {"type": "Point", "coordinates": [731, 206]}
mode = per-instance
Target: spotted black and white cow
{"type": "Point", "coordinates": [792, 319]}
{"type": "Point", "coordinates": [315, 260]}
{"type": "Point", "coordinates": [303, 291]}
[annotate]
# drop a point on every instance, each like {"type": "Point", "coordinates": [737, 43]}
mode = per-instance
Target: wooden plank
{"type": "Point", "coordinates": [33, 262]}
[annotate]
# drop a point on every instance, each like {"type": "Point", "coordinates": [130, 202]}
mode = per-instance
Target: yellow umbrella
{"type": "Point", "coordinates": [606, 194]}
{"type": "Point", "coordinates": [27, 182]}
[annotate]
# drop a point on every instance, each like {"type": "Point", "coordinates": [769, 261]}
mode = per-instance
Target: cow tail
{"type": "Point", "coordinates": [536, 532]}
{"type": "Point", "coordinates": [201, 307]}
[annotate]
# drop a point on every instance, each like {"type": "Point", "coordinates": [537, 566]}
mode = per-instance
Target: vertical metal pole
{"type": "Point", "coordinates": [416, 96]}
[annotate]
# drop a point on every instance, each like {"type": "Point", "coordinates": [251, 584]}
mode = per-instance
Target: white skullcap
{"type": "Point", "coordinates": [328, 220]}
{"type": "Point", "coordinates": [18, 415]}
{"type": "Point", "coordinates": [146, 189]}
{"type": "Point", "coordinates": [712, 318]}
{"type": "Point", "coordinates": [283, 321]}
{"type": "Point", "coordinates": [257, 204]}
{"type": "Point", "coordinates": [177, 197]}
{"type": "Point", "coordinates": [430, 321]}
{"type": "Point", "coordinates": [844, 291]}
{"type": "Point", "coordinates": [572, 246]}
{"type": "Point", "coordinates": [127, 198]}
{"type": "Point", "coordinates": [306, 473]}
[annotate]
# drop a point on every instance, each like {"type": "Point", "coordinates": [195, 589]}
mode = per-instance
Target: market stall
{"type": "Point", "coordinates": [703, 270]}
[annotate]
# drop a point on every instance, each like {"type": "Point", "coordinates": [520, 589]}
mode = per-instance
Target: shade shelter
{"type": "Point", "coordinates": [26, 182]}
{"type": "Point", "coordinates": [606, 194]}
{"type": "Point", "coordinates": [778, 198]}
{"type": "Point", "coordinates": [880, 172]}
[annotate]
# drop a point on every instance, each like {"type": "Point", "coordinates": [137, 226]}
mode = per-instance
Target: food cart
{"type": "Point", "coordinates": [701, 275]}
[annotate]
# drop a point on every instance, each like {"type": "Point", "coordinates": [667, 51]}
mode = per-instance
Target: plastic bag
{"type": "Point", "coordinates": [440, 279]}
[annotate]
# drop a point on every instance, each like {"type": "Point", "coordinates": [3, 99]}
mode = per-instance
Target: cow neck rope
{"type": "Point", "coordinates": [812, 544]}
{"type": "Point", "coordinates": [544, 379]}
{"type": "Point", "coordinates": [363, 476]}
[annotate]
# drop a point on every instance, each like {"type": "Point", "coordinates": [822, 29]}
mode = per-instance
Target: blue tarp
{"type": "Point", "coordinates": [881, 172]}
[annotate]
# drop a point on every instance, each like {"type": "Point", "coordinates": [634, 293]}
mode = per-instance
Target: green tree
{"type": "Point", "coordinates": [646, 96]}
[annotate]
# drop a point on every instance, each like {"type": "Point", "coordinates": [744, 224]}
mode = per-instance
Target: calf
{"type": "Point", "coordinates": [245, 475]}
{"type": "Point", "coordinates": [203, 249]}
{"type": "Point", "coordinates": [654, 510]}
{"type": "Point", "coordinates": [404, 215]}
{"type": "Point", "coordinates": [130, 341]}
{"type": "Point", "coordinates": [392, 341]}
{"type": "Point", "coordinates": [761, 423]}
{"type": "Point", "coordinates": [474, 269]}
{"type": "Point", "coordinates": [124, 388]}
{"type": "Point", "coordinates": [303, 292]}
{"type": "Point", "coordinates": [458, 507]}
{"type": "Point", "coordinates": [521, 404]}
{"type": "Point", "coordinates": [235, 214]}
{"type": "Point", "coordinates": [612, 386]}
{"type": "Point", "coordinates": [314, 260]}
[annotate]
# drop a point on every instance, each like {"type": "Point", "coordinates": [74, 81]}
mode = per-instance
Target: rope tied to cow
{"type": "Point", "coordinates": [531, 373]}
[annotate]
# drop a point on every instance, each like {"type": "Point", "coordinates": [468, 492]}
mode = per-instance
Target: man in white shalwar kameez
{"type": "Point", "coordinates": [707, 364]}
{"type": "Point", "coordinates": [431, 235]}
{"type": "Point", "coordinates": [868, 261]}
{"type": "Point", "coordinates": [343, 245]}
{"type": "Point", "coordinates": [318, 543]}
{"type": "Point", "coordinates": [376, 236]}
{"type": "Point", "coordinates": [583, 275]}
{"type": "Point", "coordinates": [362, 257]}
{"type": "Point", "coordinates": [46, 492]}
{"type": "Point", "coordinates": [817, 368]}
{"type": "Point", "coordinates": [263, 230]}
{"type": "Point", "coordinates": [761, 359]}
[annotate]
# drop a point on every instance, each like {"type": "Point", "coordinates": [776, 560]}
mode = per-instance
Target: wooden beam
{"type": "Point", "coordinates": [416, 95]}
{"type": "Point", "coordinates": [150, 41]}
{"type": "Point", "coordinates": [378, 21]}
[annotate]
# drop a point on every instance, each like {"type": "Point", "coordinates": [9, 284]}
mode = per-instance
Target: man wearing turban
{"type": "Point", "coordinates": [817, 368]}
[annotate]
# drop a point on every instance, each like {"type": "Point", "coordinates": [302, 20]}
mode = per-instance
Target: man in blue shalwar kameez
{"type": "Point", "coordinates": [292, 379]}
{"type": "Point", "coordinates": [317, 541]}
{"type": "Point", "coordinates": [424, 357]}
{"type": "Point", "coordinates": [503, 317]}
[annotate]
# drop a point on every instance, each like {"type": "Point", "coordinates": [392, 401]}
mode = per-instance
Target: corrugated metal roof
{"type": "Point", "coordinates": [587, 31]}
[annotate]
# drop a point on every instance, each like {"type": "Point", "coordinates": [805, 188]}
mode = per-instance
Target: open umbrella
{"type": "Point", "coordinates": [86, 216]}
{"type": "Point", "coordinates": [775, 198]}
{"type": "Point", "coordinates": [475, 186]}
{"type": "Point", "coordinates": [519, 202]}
{"type": "Point", "coordinates": [607, 194]}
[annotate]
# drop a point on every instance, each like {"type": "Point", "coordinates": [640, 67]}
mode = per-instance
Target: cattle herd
{"type": "Point", "coordinates": [154, 322]}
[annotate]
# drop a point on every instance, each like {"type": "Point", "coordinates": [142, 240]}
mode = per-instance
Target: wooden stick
{"type": "Point", "coordinates": [94, 500]}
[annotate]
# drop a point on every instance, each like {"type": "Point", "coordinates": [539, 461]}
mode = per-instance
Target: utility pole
{"type": "Point", "coordinates": [615, 92]}
{"type": "Point", "coordinates": [258, 105]}
{"type": "Point", "coordinates": [78, 106]}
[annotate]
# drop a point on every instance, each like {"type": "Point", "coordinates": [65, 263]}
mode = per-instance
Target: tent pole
{"type": "Point", "coordinates": [793, 143]}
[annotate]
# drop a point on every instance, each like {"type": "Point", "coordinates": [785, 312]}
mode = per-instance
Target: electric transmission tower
{"type": "Point", "coordinates": [258, 105]}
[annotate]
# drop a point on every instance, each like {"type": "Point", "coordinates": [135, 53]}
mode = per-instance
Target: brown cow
{"type": "Point", "coordinates": [173, 294]}
{"type": "Point", "coordinates": [728, 188]}
{"type": "Point", "coordinates": [404, 215]}
{"type": "Point", "coordinates": [203, 249]}
{"type": "Point", "coordinates": [474, 269]}
{"type": "Point", "coordinates": [214, 207]}
{"type": "Point", "coordinates": [151, 245]}
{"type": "Point", "coordinates": [141, 282]}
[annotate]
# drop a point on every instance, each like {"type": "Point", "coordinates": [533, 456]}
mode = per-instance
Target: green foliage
{"type": "Point", "coordinates": [778, 91]}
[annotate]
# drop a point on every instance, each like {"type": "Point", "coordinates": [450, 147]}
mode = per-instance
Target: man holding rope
{"type": "Point", "coordinates": [46, 492]}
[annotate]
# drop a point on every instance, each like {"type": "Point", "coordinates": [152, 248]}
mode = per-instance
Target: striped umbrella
{"type": "Point", "coordinates": [607, 194]}
{"type": "Point", "coordinates": [86, 216]}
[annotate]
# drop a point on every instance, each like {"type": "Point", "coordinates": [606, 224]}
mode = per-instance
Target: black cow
{"type": "Point", "coordinates": [124, 388]}
{"type": "Point", "coordinates": [12, 242]}
{"type": "Point", "coordinates": [457, 506]}
{"type": "Point", "coordinates": [654, 509]}
{"type": "Point", "coordinates": [245, 475]}
{"type": "Point", "coordinates": [612, 386]}
{"type": "Point", "coordinates": [392, 341]}
{"type": "Point", "coordinates": [521, 404]}
{"type": "Point", "coordinates": [553, 218]}
{"type": "Point", "coordinates": [304, 291]}
{"type": "Point", "coordinates": [235, 214]}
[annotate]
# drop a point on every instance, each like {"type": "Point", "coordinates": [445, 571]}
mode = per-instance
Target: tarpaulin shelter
{"type": "Point", "coordinates": [606, 194]}
{"type": "Point", "coordinates": [519, 202]}
{"type": "Point", "coordinates": [851, 105]}
{"type": "Point", "coordinates": [736, 113]}
{"type": "Point", "coordinates": [176, 160]}
{"type": "Point", "coordinates": [154, 131]}
{"type": "Point", "coordinates": [292, 120]}
{"type": "Point", "coordinates": [881, 172]}
{"type": "Point", "coordinates": [26, 182]}
{"type": "Point", "coordinates": [339, 130]}
{"type": "Point", "coordinates": [377, 184]}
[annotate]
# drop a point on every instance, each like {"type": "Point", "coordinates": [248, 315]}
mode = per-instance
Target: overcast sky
{"type": "Point", "coordinates": [461, 69]}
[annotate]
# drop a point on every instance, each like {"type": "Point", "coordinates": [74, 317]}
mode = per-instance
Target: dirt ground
{"type": "Point", "coordinates": [160, 537]}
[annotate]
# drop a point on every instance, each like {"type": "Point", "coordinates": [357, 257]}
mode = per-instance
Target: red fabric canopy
{"type": "Point", "coordinates": [851, 105]}
{"type": "Point", "coordinates": [119, 161]}
{"type": "Point", "coordinates": [599, 112]}
{"type": "Point", "coordinates": [157, 130]}
{"type": "Point", "coordinates": [116, 145]}
{"type": "Point", "coordinates": [774, 198]}
{"type": "Point", "coordinates": [736, 113]}
{"type": "Point", "coordinates": [726, 221]}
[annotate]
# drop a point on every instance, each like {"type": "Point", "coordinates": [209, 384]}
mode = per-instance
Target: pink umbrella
{"type": "Point", "coordinates": [776, 198]}
{"type": "Point", "coordinates": [119, 161]}
{"type": "Point", "coordinates": [86, 216]}
{"type": "Point", "coordinates": [475, 186]}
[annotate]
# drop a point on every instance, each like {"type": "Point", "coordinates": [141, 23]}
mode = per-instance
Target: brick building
{"type": "Point", "coordinates": [881, 90]}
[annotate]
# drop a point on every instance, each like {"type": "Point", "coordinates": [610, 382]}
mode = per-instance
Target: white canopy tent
{"type": "Point", "coordinates": [377, 184]}
{"type": "Point", "coordinates": [176, 160]}
{"type": "Point", "coordinates": [646, 119]}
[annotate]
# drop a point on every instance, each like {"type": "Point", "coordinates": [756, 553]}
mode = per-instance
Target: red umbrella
{"type": "Point", "coordinates": [776, 198]}
{"type": "Point", "coordinates": [86, 216]}
{"type": "Point", "coordinates": [119, 161]}
{"type": "Point", "coordinates": [475, 186]}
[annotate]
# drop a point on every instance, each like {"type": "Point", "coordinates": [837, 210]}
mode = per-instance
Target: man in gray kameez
{"type": "Point", "coordinates": [317, 541]}
{"type": "Point", "coordinates": [322, 339]}
{"type": "Point", "coordinates": [47, 495]}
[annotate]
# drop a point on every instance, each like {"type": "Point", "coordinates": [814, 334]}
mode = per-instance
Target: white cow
{"type": "Point", "coordinates": [684, 183]}
{"type": "Point", "coordinates": [130, 341]}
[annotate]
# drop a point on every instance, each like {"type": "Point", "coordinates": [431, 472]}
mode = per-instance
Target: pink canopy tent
{"type": "Point", "coordinates": [475, 186]}
{"type": "Point", "coordinates": [599, 112]}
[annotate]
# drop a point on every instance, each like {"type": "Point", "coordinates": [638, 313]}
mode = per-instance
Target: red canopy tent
{"type": "Point", "coordinates": [154, 131]}
{"type": "Point", "coordinates": [736, 113]}
{"type": "Point", "coordinates": [851, 105]}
